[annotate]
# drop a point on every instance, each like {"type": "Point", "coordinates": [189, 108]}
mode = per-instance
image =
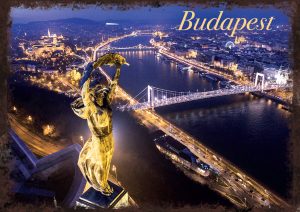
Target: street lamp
{"type": "Point", "coordinates": [29, 118]}
{"type": "Point", "coordinates": [114, 169]}
{"type": "Point", "coordinates": [14, 109]}
{"type": "Point", "coordinates": [81, 139]}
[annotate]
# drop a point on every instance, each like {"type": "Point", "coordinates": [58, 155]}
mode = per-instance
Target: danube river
{"type": "Point", "coordinates": [251, 132]}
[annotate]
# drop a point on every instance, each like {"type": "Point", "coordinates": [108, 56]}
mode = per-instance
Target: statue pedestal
{"type": "Point", "coordinates": [93, 199]}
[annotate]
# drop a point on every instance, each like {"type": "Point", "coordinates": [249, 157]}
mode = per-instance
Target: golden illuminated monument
{"type": "Point", "coordinates": [94, 105]}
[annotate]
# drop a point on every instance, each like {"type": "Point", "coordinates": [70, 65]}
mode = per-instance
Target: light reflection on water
{"type": "Point", "coordinates": [252, 132]}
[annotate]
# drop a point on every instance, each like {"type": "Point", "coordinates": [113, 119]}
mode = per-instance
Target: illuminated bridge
{"type": "Point", "coordinates": [152, 97]}
{"type": "Point", "coordinates": [137, 47]}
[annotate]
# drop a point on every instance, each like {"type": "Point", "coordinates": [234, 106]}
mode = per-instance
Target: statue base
{"type": "Point", "coordinates": [93, 199]}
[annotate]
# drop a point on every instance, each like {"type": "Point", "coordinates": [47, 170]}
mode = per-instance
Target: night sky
{"type": "Point", "coordinates": [166, 14]}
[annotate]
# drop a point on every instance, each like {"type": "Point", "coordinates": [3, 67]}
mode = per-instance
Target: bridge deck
{"type": "Point", "coordinates": [177, 97]}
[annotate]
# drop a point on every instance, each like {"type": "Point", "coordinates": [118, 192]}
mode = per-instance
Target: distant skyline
{"type": "Point", "coordinates": [166, 14]}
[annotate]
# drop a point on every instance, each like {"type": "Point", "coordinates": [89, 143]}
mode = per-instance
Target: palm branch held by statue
{"type": "Point", "coordinates": [103, 92]}
{"type": "Point", "coordinates": [110, 59]}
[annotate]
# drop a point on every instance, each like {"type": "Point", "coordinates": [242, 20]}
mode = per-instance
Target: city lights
{"type": "Point", "coordinates": [48, 129]}
{"type": "Point", "coordinates": [56, 63]}
{"type": "Point", "coordinates": [29, 119]}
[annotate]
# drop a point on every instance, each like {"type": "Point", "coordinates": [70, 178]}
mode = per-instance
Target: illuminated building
{"type": "Point", "coordinates": [46, 46]}
{"type": "Point", "coordinates": [192, 53]}
{"type": "Point", "coordinates": [281, 77]}
{"type": "Point", "coordinates": [219, 62]}
{"type": "Point", "coordinates": [239, 40]}
{"type": "Point", "coordinates": [160, 34]}
{"type": "Point", "coordinates": [232, 66]}
{"type": "Point", "coordinates": [74, 76]}
{"type": "Point", "coordinates": [278, 76]}
{"type": "Point", "coordinates": [195, 37]}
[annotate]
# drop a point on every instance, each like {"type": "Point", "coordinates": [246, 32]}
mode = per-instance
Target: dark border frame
{"type": "Point", "coordinates": [291, 7]}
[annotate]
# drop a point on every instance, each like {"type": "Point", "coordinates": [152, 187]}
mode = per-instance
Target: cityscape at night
{"type": "Point", "coordinates": [199, 117]}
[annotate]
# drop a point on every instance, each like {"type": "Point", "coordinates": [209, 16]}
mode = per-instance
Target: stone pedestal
{"type": "Point", "coordinates": [93, 199]}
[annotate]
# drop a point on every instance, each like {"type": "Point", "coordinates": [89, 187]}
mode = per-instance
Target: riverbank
{"type": "Point", "coordinates": [209, 70]}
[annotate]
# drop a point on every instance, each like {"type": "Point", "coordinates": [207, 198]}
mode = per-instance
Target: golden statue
{"type": "Point", "coordinates": [94, 105]}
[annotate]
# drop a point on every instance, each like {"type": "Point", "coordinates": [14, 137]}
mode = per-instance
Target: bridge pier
{"type": "Point", "coordinates": [262, 76]}
{"type": "Point", "coordinates": [150, 96]}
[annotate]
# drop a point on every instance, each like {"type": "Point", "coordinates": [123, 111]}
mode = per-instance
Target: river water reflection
{"type": "Point", "coordinates": [251, 132]}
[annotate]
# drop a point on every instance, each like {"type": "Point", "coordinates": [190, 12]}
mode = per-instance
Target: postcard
{"type": "Point", "coordinates": [149, 108]}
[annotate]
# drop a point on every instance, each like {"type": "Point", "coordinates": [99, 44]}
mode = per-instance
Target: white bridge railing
{"type": "Point", "coordinates": [153, 97]}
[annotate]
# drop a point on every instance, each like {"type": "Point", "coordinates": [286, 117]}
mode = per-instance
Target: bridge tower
{"type": "Point", "coordinates": [262, 76]}
{"type": "Point", "coordinates": [150, 96]}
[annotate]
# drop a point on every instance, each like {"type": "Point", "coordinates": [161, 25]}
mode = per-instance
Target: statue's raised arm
{"type": "Point", "coordinates": [112, 59]}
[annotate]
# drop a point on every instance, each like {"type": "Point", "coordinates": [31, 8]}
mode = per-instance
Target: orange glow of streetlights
{"type": "Point", "coordinates": [81, 139]}
{"type": "Point", "coordinates": [48, 129]}
{"type": "Point", "coordinates": [114, 169]}
{"type": "Point", "coordinates": [29, 118]}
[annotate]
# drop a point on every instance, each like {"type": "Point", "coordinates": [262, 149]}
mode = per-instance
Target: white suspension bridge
{"type": "Point", "coordinates": [152, 97]}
